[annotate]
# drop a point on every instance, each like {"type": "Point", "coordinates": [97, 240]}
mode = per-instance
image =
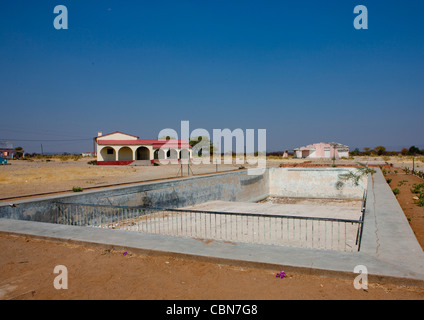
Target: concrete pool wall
{"type": "Point", "coordinates": [174, 193]}
{"type": "Point", "coordinates": [182, 192]}
{"type": "Point", "coordinates": [313, 183]}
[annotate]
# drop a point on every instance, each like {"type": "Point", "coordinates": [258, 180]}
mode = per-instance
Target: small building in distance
{"type": "Point", "coordinates": [119, 148]}
{"type": "Point", "coordinates": [88, 154]}
{"type": "Point", "coordinates": [7, 151]}
{"type": "Point", "coordinates": [322, 150]}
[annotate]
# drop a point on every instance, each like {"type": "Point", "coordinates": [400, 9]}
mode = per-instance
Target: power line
{"type": "Point", "coordinates": [43, 132]}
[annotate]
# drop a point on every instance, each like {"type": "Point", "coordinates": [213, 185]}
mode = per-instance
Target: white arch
{"type": "Point", "coordinates": [108, 153]}
{"type": "Point", "coordinates": [125, 153]}
{"type": "Point", "coordinates": [174, 154]}
{"type": "Point", "coordinates": [162, 153]}
{"type": "Point", "coordinates": [142, 153]}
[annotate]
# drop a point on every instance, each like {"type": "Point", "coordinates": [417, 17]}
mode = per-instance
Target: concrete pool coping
{"type": "Point", "coordinates": [389, 249]}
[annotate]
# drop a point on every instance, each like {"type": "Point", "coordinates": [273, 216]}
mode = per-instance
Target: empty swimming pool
{"type": "Point", "coordinates": [230, 206]}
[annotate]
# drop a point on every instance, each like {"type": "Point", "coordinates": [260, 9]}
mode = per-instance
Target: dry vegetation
{"type": "Point", "coordinates": [43, 174]}
{"type": "Point", "coordinates": [22, 177]}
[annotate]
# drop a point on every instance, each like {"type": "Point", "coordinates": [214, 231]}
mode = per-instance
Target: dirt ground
{"type": "Point", "coordinates": [23, 178]}
{"type": "Point", "coordinates": [26, 178]}
{"type": "Point", "coordinates": [27, 265]}
{"type": "Point", "coordinates": [413, 212]}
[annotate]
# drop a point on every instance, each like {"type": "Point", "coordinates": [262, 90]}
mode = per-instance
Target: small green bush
{"type": "Point", "coordinates": [402, 182]}
{"type": "Point", "coordinates": [77, 189]}
{"type": "Point", "coordinates": [388, 180]}
{"type": "Point", "coordinates": [417, 188]}
{"type": "Point", "coordinates": [396, 191]}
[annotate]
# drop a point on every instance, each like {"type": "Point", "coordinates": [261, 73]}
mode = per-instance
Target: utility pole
{"type": "Point", "coordinates": [42, 149]}
{"type": "Point", "coordinates": [413, 163]}
{"type": "Point", "coordinates": [333, 146]}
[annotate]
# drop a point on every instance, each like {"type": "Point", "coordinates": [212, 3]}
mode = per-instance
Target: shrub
{"type": "Point", "coordinates": [92, 162]}
{"type": "Point", "coordinates": [396, 191]}
{"type": "Point", "coordinates": [388, 180]}
{"type": "Point", "coordinates": [77, 189]}
{"type": "Point", "coordinates": [361, 171]}
{"type": "Point", "coordinates": [402, 182]}
{"type": "Point", "coordinates": [417, 188]}
{"type": "Point", "coordinates": [421, 202]}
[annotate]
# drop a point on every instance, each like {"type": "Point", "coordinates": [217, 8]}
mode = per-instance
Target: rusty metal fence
{"type": "Point", "coordinates": [297, 231]}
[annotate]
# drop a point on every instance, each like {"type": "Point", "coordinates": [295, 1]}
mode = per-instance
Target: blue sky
{"type": "Point", "coordinates": [298, 69]}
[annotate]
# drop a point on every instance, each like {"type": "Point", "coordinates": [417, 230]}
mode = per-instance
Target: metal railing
{"type": "Point", "coordinates": [361, 219]}
{"type": "Point", "coordinates": [297, 231]}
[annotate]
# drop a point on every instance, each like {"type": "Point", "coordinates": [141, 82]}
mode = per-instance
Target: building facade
{"type": "Point", "coordinates": [322, 150]}
{"type": "Point", "coordinates": [10, 154]}
{"type": "Point", "coordinates": [119, 148]}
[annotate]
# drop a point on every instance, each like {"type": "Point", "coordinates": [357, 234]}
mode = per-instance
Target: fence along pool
{"type": "Point", "coordinates": [284, 230]}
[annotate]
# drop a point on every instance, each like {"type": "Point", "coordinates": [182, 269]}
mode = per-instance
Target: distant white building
{"type": "Point", "coordinates": [322, 150]}
{"type": "Point", "coordinates": [88, 154]}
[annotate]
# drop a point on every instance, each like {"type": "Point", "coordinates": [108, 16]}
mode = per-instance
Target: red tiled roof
{"type": "Point", "coordinates": [151, 142]}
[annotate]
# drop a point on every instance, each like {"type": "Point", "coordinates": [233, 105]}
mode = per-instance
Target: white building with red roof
{"type": "Point", "coordinates": [118, 148]}
{"type": "Point", "coordinates": [323, 150]}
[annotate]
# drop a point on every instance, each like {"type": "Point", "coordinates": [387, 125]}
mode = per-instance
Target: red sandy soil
{"type": "Point", "coordinates": [413, 212]}
{"type": "Point", "coordinates": [26, 273]}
